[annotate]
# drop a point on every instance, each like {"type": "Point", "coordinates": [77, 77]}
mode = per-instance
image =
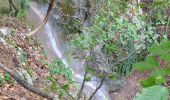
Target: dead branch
{"type": "Point", "coordinates": [51, 4]}
{"type": "Point", "coordinates": [25, 84]}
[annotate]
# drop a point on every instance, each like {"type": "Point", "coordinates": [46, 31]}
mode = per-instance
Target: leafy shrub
{"type": "Point", "coordinates": [154, 63]}
{"type": "Point", "coordinates": [7, 77]}
{"type": "Point", "coordinates": [118, 34]}
{"type": "Point", "coordinates": [58, 67]}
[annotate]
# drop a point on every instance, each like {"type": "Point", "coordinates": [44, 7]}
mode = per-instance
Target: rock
{"type": "Point", "coordinates": [5, 31]}
{"type": "Point", "coordinates": [100, 60]}
{"type": "Point", "coordinates": [24, 74]}
{"type": "Point", "coordinates": [3, 41]}
{"type": "Point", "coordinates": [115, 85]}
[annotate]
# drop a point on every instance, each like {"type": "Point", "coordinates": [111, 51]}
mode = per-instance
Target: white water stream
{"type": "Point", "coordinates": [54, 45]}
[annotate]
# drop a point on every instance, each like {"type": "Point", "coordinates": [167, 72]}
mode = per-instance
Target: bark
{"type": "Point", "coordinates": [25, 84]}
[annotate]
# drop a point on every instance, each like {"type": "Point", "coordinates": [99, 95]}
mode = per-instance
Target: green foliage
{"type": "Point", "coordinates": [7, 77]}
{"type": "Point", "coordinates": [21, 13]}
{"type": "Point", "coordinates": [23, 57]}
{"type": "Point", "coordinates": [149, 64]}
{"type": "Point", "coordinates": [1, 81]}
{"type": "Point", "coordinates": [120, 35]}
{"type": "Point", "coordinates": [22, 10]}
{"type": "Point", "coordinates": [161, 49]}
{"type": "Point", "coordinates": [57, 87]}
{"type": "Point", "coordinates": [58, 67]}
{"type": "Point", "coordinates": [153, 93]}
{"type": "Point", "coordinates": [158, 53]}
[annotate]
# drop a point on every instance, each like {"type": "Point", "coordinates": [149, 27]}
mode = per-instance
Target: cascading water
{"type": "Point", "coordinates": [54, 45]}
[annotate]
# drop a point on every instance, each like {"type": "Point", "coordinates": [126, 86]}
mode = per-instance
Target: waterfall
{"type": "Point", "coordinates": [54, 45]}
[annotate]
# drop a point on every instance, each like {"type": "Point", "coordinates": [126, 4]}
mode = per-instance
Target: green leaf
{"type": "Point", "coordinates": [65, 87]}
{"type": "Point", "coordinates": [162, 48]}
{"type": "Point", "coordinates": [21, 13]}
{"type": "Point", "coordinates": [160, 80]}
{"type": "Point", "coordinates": [148, 64]}
{"type": "Point", "coordinates": [165, 57]}
{"type": "Point", "coordinates": [7, 77]}
{"type": "Point", "coordinates": [153, 93]}
{"type": "Point", "coordinates": [112, 77]}
{"type": "Point", "coordinates": [161, 72]}
{"type": "Point", "coordinates": [148, 82]}
{"type": "Point", "coordinates": [157, 77]}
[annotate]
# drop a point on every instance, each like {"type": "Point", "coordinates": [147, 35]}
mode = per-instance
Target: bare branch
{"type": "Point", "coordinates": [51, 4]}
{"type": "Point", "coordinates": [25, 84]}
{"type": "Point", "coordinates": [81, 89]}
{"type": "Point", "coordinates": [101, 83]}
{"type": "Point", "coordinates": [70, 96]}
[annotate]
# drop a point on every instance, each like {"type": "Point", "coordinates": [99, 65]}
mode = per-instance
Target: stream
{"type": "Point", "coordinates": [53, 41]}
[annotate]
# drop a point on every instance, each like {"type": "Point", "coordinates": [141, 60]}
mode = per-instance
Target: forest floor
{"type": "Point", "coordinates": [19, 52]}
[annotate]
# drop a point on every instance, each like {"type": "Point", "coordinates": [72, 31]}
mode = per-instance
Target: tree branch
{"type": "Point", "coordinates": [51, 4]}
{"type": "Point", "coordinates": [101, 83]}
{"type": "Point", "coordinates": [25, 84]}
{"type": "Point", "coordinates": [112, 68]}
{"type": "Point", "coordinates": [81, 89]}
{"type": "Point", "coordinates": [70, 96]}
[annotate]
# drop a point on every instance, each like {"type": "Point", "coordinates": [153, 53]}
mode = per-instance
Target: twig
{"type": "Point", "coordinates": [25, 84]}
{"type": "Point", "coordinates": [51, 4]}
{"type": "Point", "coordinates": [70, 96]}
{"type": "Point", "coordinates": [81, 89]}
{"type": "Point", "coordinates": [101, 83]}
